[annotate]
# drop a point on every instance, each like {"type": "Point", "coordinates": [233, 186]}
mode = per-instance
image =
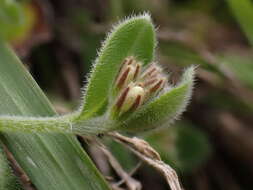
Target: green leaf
{"type": "Point", "coordinates": [134, 36]}
{"type": "Point", "coordinates": [243, 11]}
{"type": "Point", "coordinates": [52, 161]}
{"type": "Point", "coordinates": [7, 179]}
{"type": "Point", "coordinates": [164, 109]}
{"type": "Point", "coordinates": [182, 146]}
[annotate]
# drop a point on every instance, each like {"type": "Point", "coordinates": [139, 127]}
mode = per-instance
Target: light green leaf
{"type": "Point", "coordinates": [52, 161]}
{"type": "Point", "coordinates": [164, 109]}
{"type": "Point", "coordinates": [243, 11]}
{"type": "Point", "coordinates": [134, 36]}
{"type": "Point", "coordinates": [7, 179]}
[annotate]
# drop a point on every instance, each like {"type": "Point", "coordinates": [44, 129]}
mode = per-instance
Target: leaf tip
{"type": "Point", "coordinates": [187, 82]}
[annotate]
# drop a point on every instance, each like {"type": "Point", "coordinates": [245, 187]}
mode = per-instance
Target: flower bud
{"type": "Point", "coordinates": [131, 98]}
{"type": "Point", "coordinates": [158, 86]}
{"type": "Point", "coordinates": [135, 85]}
{"type": "Point", "coordinates": [151, 72]}
{"type": "Point", "coordinates": [129, 71]}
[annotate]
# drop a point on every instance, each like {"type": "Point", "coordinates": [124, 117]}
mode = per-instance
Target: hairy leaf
{"type": "Point", "coordinates": [134, 36]}
{"type": "Point", "coordinates": [163, 109]}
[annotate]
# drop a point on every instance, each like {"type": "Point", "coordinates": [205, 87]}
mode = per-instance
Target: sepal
{"type": "Point", "coordinates": [162, 110]}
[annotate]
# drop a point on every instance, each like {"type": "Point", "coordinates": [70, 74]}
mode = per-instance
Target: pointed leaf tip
{"type": "Point", "coordinates": [164, 109]}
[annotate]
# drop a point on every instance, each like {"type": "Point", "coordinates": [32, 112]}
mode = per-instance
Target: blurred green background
{"type": "Point", "coordinates": [211, 147]}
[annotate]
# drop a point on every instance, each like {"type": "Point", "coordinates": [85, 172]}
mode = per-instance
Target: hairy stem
{"type": "Point", "coordinates": [35, 124]}
{"type": "Point", "coordinates": [59, 124]}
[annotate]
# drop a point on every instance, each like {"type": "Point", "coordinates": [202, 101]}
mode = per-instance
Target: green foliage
{"type": "Point", "coordinates": [133, 39]}
{"type": "Point", "coordinates": [243, 11]}
{"type": "Point", "coordinates": [52, 161]}
{"type": "Point", "coordinates": [134, 36]}
{"type": "Point", "coordinates": [164, 109]}
{"type": "Point", "coordinates": [129, 46]}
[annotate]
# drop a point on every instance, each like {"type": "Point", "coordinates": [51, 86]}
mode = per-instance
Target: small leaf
{"type": "Point", "coordinates": [133, 37]}
{"type": "Point", "coordinates": [164, 109]}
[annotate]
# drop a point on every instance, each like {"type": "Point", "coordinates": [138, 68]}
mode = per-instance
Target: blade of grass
{"type": "Point", "coordinates": [52, 162]}
{"type": "Point", "coordinates": [243, 11]}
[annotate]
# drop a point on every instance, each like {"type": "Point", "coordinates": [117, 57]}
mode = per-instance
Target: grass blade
{"type": "Point", "coordinates": [53, 162]}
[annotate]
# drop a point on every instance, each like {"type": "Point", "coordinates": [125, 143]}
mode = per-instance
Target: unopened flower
{"type": "Point", "coordinates": [135, 85]}
{"type": "Point", "coordinates": [129, 71]}
{"type": "Point", "coordinates": [130, 98]}
{"type": "Point", "coordinates": [127, 90]}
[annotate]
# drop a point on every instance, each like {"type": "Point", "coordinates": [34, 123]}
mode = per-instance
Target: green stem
{"type": "Point", "coordinates": [58, 124]}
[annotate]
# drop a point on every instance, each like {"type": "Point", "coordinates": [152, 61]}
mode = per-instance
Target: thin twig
{"type": "Point", "coordinates": [145, 152]}
{"type": "Point", "coordinates": [131, 173]}
{"type": "Point", "coordinates": [130, 182]}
